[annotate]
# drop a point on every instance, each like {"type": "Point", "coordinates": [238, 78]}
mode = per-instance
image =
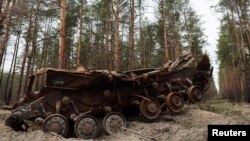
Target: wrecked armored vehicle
{"type": "Point", "coordinates": [54, 97]}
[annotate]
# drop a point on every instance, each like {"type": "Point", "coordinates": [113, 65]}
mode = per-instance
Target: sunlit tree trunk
{"type": "Point", "coordinates": [79, 51]}
{"type": "Point", "coordinates": [34, 37]}
{"type": "Point", "coordinates": [107, 34]}
{"type": "Point", "coordinates": [131, 35]}
{"type": "Point", "coordinates": [14, 67]}
{"type": "Point", "coordinates": [90, 56]}
{"type": "Point", "coordinates": [231, 30]}
{"type": "Point", "coordinates": [176, 45]}
{"type": "Point", "coordinates": [32, 55]}
{"type": "Point", "coordinates": [62, 39]}
{"type": "Point", "coordinates": [165, 37]}
{"type": "Point", "coordinates": [3, 45]}
{"type": "Point", "coordinates": [111, 44]}
{"type": "Point", "coordinates": [45, 44]}
{"type": "Point", "coordinates": [241, 40]}
{"type": "Point", "coordinates": [117, 37]}
{"type": "Point", "coordinates": [10, 77]}
{"type": "Point", "coordinates": [141, 46]}
{"type": "Point", "coordinates": [244, 10]}
{"type": "Point", "coordinates": [234, 32]}
{"type": "Point", "coordinates": [187, 29]}
{"type": "Point", "coordinates": [22, 85]}
{"type": "Point", "coordinates": [69, 63]}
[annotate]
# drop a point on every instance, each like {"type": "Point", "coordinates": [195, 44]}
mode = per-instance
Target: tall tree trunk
{"type": "Point", "coordinates": [165, 37]}
{"type": "Point", "coordinates": [31, 55]}
{"type": "Point", "coordinates": [7, 96]}
{"type": "Point", "coordinates": [3, 12]}
{"type": "Point", "coordinates": [107, 33]}
{"type": "Point", "coordinates": [62, 39]}
{"type": "Point", "coordinates": [22, 85]}
{"type": "Point", "coordinates": [242, 78]}
{"type": "Point", "coordinates": [1, 16]}
{"type": "Point", "coordinates": [176, 41]}
{"type": "Point", "coordinates": [188, 31]}
{"type": "Point", "coordinates": [34, 38]}
{"type": "Point", "coordinates": [141, 46]}
{"type": "Point", "coordinates": [70, 53]}
{"type": "Point", "coordinates": [176, 46]}
{"type": "Point", "coordinates": [131, 35]}
{"type": "Point", "coordinates": [122, 25]}
{"type": "Point", "coordinates": [72, 63]}
{"type": "Point", "coordinates": [79, 51]}
{"type": "Point", "coordinates": [117, 37]}
{"type": "Point", "coordinates": [111, 44]}
{"type": "Point", "coordinates": [90, 58]}
{"type": "Point", "coordinates": [14, 67]}
{"type": "Point", "coordinates": [232, 50]}
{"type": "Point", "coordinates": [2, 67]}
{"type": "Point", "coordinates": [6, 34]}
{"type": "Point", "coordinates": [244, 10]}
{"type": "Point", "coordinates": [242, 44]}
{"type": "Point", "coordinates": [45, 44]}
{"type": "Point", "coordinates": [234, 34]}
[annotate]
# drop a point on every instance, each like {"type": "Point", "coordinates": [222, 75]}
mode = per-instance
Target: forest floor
{"type": "Point", "coordinates": [191, 124]}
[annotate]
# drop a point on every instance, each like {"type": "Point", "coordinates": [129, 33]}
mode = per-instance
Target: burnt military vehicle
{"type": "Point", "coordinates": [54, 97]}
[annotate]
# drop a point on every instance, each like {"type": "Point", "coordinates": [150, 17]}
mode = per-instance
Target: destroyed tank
{"type": "Point", "coordinates": [57, 98]}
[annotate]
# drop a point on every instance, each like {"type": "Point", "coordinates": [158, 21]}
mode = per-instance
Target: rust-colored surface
{"type": "Point", "coordinates": [73, 95]}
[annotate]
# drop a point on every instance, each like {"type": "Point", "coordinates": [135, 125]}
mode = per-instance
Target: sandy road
{"type": "Point", "coordinates": [191, 124]}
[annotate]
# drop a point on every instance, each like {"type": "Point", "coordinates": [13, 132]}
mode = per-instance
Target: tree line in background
{"type": "Point", "coordinates": [102, 34]}
{"type": "Point", "coordinates": [234, 50]}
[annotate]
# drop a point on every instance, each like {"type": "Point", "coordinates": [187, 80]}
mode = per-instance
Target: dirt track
{"type": "Point", "coordinates": [191, 124]}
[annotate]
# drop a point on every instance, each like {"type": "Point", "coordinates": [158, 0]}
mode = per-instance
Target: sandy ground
{"type": "Point", "coordinates": [189, 125]}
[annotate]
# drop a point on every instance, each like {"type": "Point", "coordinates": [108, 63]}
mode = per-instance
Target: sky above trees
{"type": "Point", "coordinates": [210, 20]}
